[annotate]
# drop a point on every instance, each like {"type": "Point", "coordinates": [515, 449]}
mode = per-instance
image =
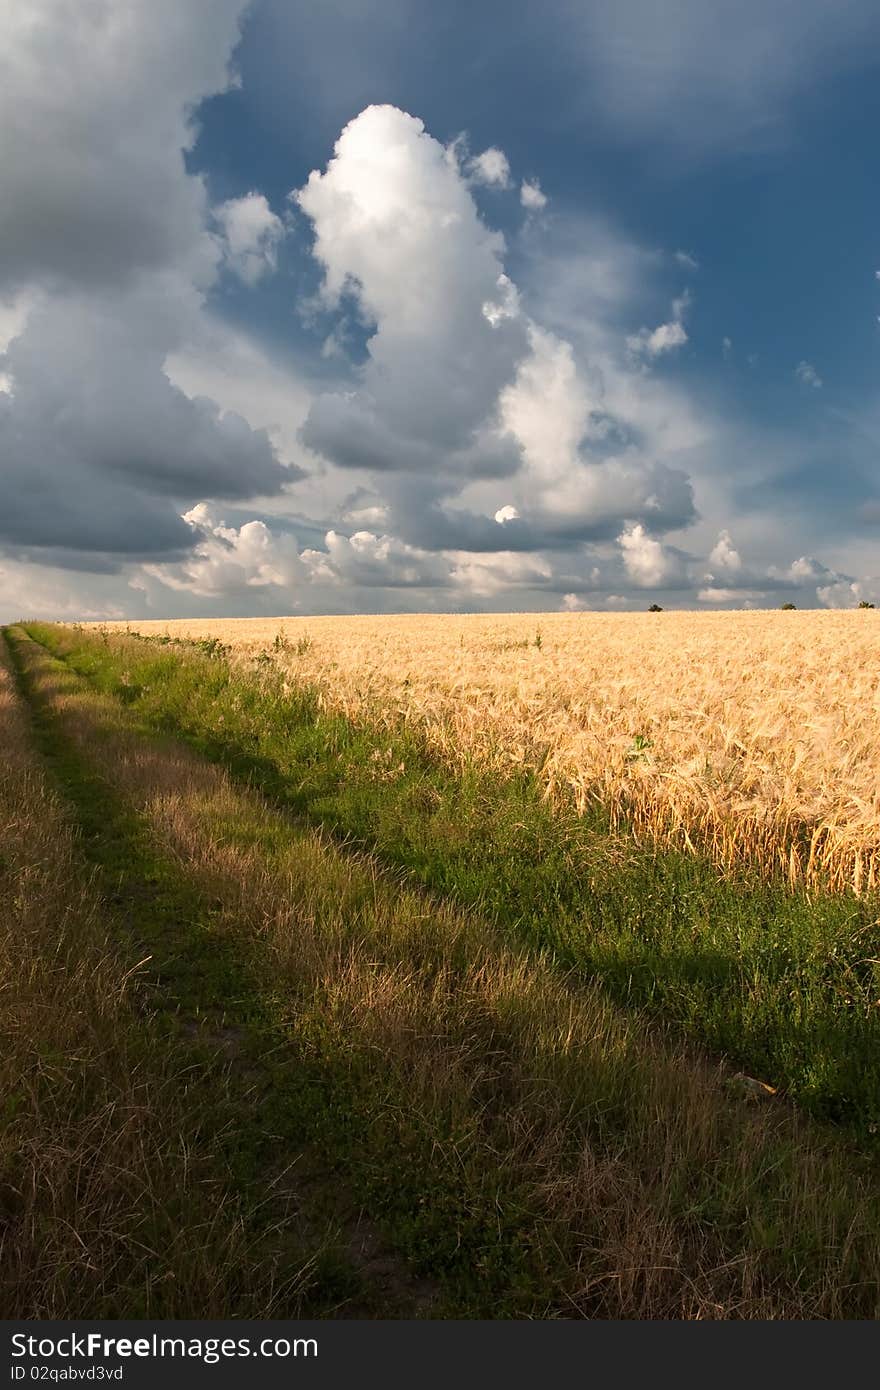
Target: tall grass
{"type": "Point", "coordinates": [109, 1207]}
{"type": "Point", "coordinates": [137, 1178]}
{"type": "Point", "coordinates": [523, 1141]}
{"type": "Point", "coordinates": [782, 982]}
{"type": "Point", "coordinates": [751, 736]}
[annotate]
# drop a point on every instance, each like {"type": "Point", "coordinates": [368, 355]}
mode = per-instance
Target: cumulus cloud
{"type": "Point", "coordinates": [226, 559]}
{"type": "Point", "coordinates": [724, 556]}
{"type": "Point", "coordinates": [396, 229]}
{"type": "Point", "coordinates": [664, 338]}
{"type": "Point", "coordinates": [250, 232]}
{"type": "Point", "coordinates": [364, 513]}
{"type": "Point", "coordinates": [559, 416]}
{"type": "Point", "coordinates": [490, 168]}
{"type": "Point", "coordinates": [461, 386]}
{"type": "Point", "coordinates": [807, 375]}
{"type": "Point", "coordinates": [734, 582]}
{"type": "Point", "coordinates": [648, 563]}
{"type": "Point", "coordinates": [483, 576]}
{"type": "Point", "coordinates": [367, 560]}
{"type": "Point", "coordinates": [372, 561]}
{"type": "Point", "coordinates": [255, 566]}
{"type": "Point", "coordinates": [731, 579]}
{"type": "Point", "coordinates": [531, 196]}
{"type": "Point", "coordinates": [843, 592]}
{"type": "Point", "coordinates": [653, 342]}
{"type": "Point", "coordinates": [499, 437]}
{"type": "Point", "coordinates": [504, 305]}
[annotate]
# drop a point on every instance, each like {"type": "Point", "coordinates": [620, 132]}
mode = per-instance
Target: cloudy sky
{"type": "Point", "coordinates": [382, 305]}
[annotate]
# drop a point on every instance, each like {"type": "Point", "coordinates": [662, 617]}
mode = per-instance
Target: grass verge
{"type": "Point", "coordinates": [523, 1142]}
{"type": "Point", "coordinates": [784, 983]}
{"type": "Point", "coordinates": [140, 1145]}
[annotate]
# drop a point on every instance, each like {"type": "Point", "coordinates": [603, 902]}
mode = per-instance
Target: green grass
{"type": "Point", "coordinates": [780, 982]}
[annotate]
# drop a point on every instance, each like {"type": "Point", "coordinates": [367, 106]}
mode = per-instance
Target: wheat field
{"type": "Point", "coordinates": [752, 735]}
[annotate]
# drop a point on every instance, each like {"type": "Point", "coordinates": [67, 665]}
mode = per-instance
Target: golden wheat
{"type": "Point", "coordinates": [752, 734]}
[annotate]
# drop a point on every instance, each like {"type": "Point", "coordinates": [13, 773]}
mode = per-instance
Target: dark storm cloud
{"type": "Point", "coordinates": [104, 233]}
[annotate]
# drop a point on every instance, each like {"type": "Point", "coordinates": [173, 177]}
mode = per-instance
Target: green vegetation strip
{"type": "Point", "coordinates": [785, 984]}
{"type": "Point", "coordinates": [528, 1146]}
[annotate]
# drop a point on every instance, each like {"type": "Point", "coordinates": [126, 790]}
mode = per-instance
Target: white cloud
{"type": "Point", "coordinates": [491, 168]}
{"type": "Point", "coordinates": [122, 401]}
{"type": "Point", "coordinates": [483, 576]}
{"type": "Point", "coordinates": [461, 385]}
{"type": "Point", "coordinates": [846, 593]}
{"type": "Point", "coordinates": [557, 413]}
{"type": "Point", "coordinates": [227, 559]}
{"type": "Point", "coordinates": [724, 556]}
{"type": "Point", "coordinates": [372, 561]}
{"type": "Point", "coordinates": [841, 593]}
{"type": "Point", "coordinates": [805, 570]}
{"type": "Point", "coordinates": [531, 196]}
{"type": "Point", "coordinates": [14, 311]}
{"type": "Point", "coordinates": [666, 337]}
{"type": "Point", "coordinates": [807, 375]}
{"type": "Point", "coordinates": [730, 579]}
{"type": "Point", "coordinates": [396, 227]}
{"type": "Point", "coordinates": [648, 563]}
{"type": "Point", "coordinates": [546, 407]}
{"type": "Point", "coordinates": [366, 517]}
{"type": "Point", "coordinates": [505, 305]}
{"type": "Point", "coordinates": [654, 341]}
{"type": "Point", "coordinates": [250, 232]}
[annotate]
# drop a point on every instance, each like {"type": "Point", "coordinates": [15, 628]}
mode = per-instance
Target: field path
{"type": "Point", "coordinates": [296, 1244]}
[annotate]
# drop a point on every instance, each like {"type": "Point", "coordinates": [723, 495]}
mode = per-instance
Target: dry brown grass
{"type": "Point", "coordinates": [111, 1203]}
{"type": "Point", "coordinates": [752, 733]}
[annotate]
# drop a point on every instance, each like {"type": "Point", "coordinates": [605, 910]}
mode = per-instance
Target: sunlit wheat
{"type": "Point", "coordinates": [753, 734]}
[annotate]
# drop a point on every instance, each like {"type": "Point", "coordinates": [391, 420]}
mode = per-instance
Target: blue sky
{"type": "Point", "coordinates": [578, 308]}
